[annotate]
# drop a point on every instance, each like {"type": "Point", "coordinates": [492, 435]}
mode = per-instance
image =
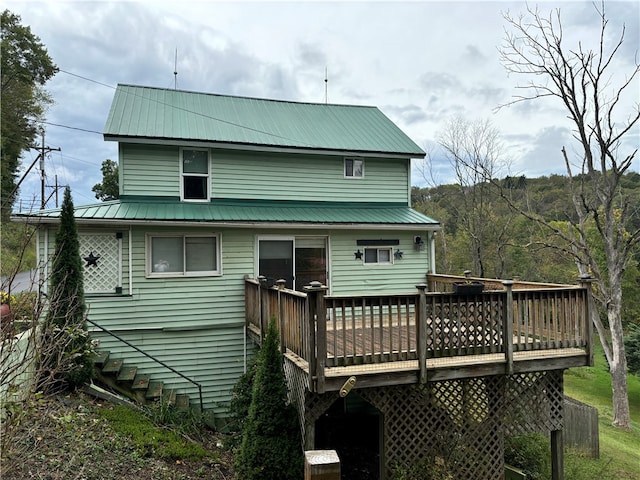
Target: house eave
{"type": "Point", "coordinates": [258, 148]}
{"type": "Point", "coordinates": [239, 224]}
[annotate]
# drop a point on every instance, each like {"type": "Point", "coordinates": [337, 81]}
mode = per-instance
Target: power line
{"type": "Point", "coordinates": [71, 128]}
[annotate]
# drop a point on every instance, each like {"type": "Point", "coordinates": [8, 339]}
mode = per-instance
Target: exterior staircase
{"type": "Point", "coordinates": [126, 380]}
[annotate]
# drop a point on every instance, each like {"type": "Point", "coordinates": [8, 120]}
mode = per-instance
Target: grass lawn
{"type": "Point", "coordinates": [619, 450]}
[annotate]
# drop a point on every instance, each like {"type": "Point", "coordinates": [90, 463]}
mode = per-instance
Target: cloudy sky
{"type": "Point", "coordinates": [420, 62]}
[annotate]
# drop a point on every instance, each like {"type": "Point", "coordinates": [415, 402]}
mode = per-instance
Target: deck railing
{"type": "Point", "coordinates": [339, 331]}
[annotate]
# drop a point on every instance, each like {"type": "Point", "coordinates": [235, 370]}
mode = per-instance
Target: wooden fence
{"type": "Point", "coordinates": [581, 427]}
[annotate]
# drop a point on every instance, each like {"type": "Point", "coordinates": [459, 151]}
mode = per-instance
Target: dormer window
{"type": "Point", "coordinates": [353, 167]}
{"type": "Point", "coordinates": [194, 166]}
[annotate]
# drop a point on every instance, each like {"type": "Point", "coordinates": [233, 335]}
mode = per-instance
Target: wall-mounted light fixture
{"type": "Point", "coordinates": [418, 243]}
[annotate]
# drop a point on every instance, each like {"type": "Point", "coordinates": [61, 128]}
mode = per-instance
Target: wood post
{"type": "Point", "coordinates": [261, 313]}
{"type": "Point", "coordinates": [317, 331]}
{"type": "Point", "coordinates": [585, 281]}
{"type": "Point", "coordinates": [321, 465]}
{"type": "Point", "coordinates": [422, 330]}
{"type": "Point", "coordinates": [281, 284]}
{"type": "Point", "coordinates": [507, 331]}
{"type": "Point", "coordinates": [557, 455]}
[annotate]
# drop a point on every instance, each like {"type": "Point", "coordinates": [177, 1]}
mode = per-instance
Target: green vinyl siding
{"type": "Point", "coordinates": [351, 276]}
{"type": "Point", "coordinates": [212, 357]}
{"type": "Point", "coordinates": [149, 170]}
{"type": "Point", "coordinates": [306, 177]}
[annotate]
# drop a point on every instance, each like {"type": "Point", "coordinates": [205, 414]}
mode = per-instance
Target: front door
{"type": "Point", "coordinates": [298, 260]}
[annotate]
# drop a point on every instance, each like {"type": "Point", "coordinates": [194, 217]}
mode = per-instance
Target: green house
{"type": "Point", "coordinates": [214, 189]}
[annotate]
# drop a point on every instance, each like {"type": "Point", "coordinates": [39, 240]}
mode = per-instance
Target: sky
{"type": "Point", "coordinates": [422, 63]}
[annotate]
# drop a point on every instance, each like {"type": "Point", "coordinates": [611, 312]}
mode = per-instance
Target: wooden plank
{"type": "Point", "coordinates": [127, 374]}
{"type": "Point", "coordinates": [154, 391]}
{"type": "Point", "coordinates": [112, 366]}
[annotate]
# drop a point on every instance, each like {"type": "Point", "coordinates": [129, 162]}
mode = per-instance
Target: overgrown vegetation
{"type": "Point", "coordinates": [529, 453]}
{"type": "Point", "coordinates": [240, 402]}
{"type": "Point", "coordinates": [73, 436]}
{"type": "Point", "coordinates": [271, 446]}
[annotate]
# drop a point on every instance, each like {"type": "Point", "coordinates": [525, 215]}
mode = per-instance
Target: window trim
{"type": "Point", "coordinates": [149, 273]}
{"type": "Point", "coordinates": [344, 167]}
{"type": "Point", "coordinates": [377, 249]}
{"type": "Point", "coordinates": [207, 176]}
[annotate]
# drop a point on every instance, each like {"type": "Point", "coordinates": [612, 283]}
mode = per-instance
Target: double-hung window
{"type": "Point", "coordinates": [183, 255]}
{"type": "Point", "coordinates": [353, 167]}
{"type": "Point", "coordinates": [379, 255]}
{"type": "Point", "coordinates": [194, 169]}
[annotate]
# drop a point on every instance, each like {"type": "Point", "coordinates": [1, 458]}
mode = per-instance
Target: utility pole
{"type": "Point", "coordinates": [43, 151]}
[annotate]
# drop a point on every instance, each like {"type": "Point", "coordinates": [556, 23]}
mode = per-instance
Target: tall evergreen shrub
{"type": "Point", "coordinates": [271, 446]}
{"type": "Point", "coordinates": [67, 354]}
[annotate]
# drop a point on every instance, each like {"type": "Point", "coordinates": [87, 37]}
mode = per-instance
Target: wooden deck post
{"type": "Point", "coordinates": [281, 284]}
{"type": "Point", "coordinates": [321, 465]}
{"type": "Point", "coordinates": [507, 331]}
{"type": "Point", "coordinates": [586, 281]}
{"type": "Point", "coordinates": [422, 331]}
{"type": "Point", "coordinates": [557, 455]}
{"type": "Point", "coordinates": [318, 319]}
{"type": "Point", "coordinates": [261, 313]}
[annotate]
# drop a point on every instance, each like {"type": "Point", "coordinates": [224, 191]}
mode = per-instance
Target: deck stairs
{"type": "Point", "coordinates": [126, 380]}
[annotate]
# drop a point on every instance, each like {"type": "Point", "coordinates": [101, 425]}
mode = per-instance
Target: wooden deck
{"type": "Point", "coordinates": [427, 336]}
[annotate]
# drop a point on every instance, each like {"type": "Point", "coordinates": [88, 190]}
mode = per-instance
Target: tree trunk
{"type": "Point", "coordinates": [618, 370]}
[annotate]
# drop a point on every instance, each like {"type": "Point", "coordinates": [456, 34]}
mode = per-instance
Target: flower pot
{"type": "Point", "coordinates": [468, 288]}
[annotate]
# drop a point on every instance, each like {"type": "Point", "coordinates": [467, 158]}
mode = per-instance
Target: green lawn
{"type": "Point", "coordinates": [619, 450]}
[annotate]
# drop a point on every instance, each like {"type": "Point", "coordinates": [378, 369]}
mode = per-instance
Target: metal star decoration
{"type": "Point", "coordinates": [91, 259]}
{"type": "Point", "coordinates": [358, 255]}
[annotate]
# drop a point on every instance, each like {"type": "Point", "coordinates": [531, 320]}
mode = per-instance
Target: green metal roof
{"type": "Point", "coordinates": [157, 113]}
{"type": "Point", "coordinates": [245, 212]}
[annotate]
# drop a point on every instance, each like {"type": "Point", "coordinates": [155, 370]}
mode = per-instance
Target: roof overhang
{"type": "Point", "coordinates": [186, 142]}
{"type": "Point", "coordinates": [234, 213]}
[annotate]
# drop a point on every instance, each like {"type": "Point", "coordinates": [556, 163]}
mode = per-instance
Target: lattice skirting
{"type": "Point", "coordinates": [457, 426]}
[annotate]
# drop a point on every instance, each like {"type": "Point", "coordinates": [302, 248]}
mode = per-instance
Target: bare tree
{"type": "Point", "coordinates": [589, 86]}
{"type": "Point", "coordinates": [474, 152]}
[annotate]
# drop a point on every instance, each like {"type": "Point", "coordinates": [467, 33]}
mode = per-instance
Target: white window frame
{"type": "Point", "coordinates": [183, 175]}
{"type": "Point", "coordinates": [353, 159]}
{"type": "Point", "coordinates": [378, 262]}
{"type": "Point", "coordinates": [199, 273]}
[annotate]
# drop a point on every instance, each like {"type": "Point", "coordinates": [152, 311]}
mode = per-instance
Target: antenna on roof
{"type": "Point", "coordinates": [175, 71]}
{"type": "Point", "coordinates": [326, 83]}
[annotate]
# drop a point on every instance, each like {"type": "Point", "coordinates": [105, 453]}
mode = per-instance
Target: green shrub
{"type": "Point", "coordinates": [240, 402]}
{"type": "Point", "coordinates": [530, 453]}
{"type": "Point", "coordinates": [271, 446]}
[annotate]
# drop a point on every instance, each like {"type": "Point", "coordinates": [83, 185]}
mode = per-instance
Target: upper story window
{"type": "Point", "coordinates": [194, 166]}
{"type": "Point", "coordinates": [183, 255]}
{"type": "Point", "coordinates": [353, 167]}
{"type": "Point", "coordinates": [380, 256]}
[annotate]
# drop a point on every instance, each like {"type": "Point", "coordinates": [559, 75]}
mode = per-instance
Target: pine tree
{"type": "Point", "coordinates": [69, 356]}
{"type": "Point", "coordinates": [271, 444]}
